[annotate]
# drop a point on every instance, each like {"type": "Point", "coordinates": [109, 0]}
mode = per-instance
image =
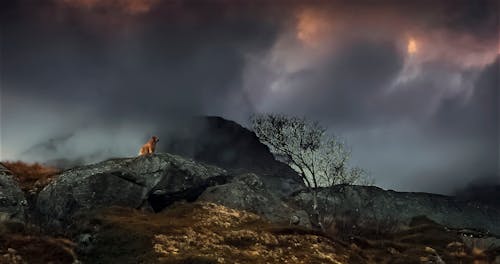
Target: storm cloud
{"type": "Point", "coordinates": [412, 85]}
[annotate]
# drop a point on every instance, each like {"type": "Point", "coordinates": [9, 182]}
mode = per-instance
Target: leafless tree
{"type": "Point", "coordinates": [320, 158]}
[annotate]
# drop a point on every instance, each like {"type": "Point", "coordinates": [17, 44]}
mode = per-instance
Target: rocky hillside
{"type": "Point", "coordinates": [209, 233]}
{"type": "Point", "coordinates": [202, 232]}
{"type": "Point", "coordinates": [153, 183]}
{"type": "Point", "coordinates": [198, 206]}
{"type": "Point", "coordinates": [13, 204]}
{"type": "Point", "coordinates": [227, 144]}
{"type": "Point", "coordinates": [369, 205]}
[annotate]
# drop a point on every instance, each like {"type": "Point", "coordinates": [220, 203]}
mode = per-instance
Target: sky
{"type": "Point", "coordinates": [412, 86]}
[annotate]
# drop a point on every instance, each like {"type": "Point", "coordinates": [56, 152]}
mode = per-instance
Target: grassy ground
{"type": "Point", "coordinates": [210, 233]}
{"type": "Point", "coordinates": [206, 233]}
{"type": "Point", "coordinates": [22, 245]}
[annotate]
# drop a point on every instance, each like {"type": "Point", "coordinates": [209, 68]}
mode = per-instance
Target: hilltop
{"type": "Point", "coordinates": [225, 199]}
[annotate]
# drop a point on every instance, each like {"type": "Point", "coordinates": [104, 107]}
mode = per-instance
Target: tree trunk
{"type": "Point", "coordinates": [315, 216]}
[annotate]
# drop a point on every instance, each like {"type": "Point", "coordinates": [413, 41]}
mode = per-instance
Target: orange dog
{"type": "Point", "coordinates": [149, 148]}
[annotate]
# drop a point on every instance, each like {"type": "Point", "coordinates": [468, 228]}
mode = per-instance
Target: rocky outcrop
{"type": "Point", "coordinates": [226, 144]}
{"type": "Point", "coordinates": [248, 178]}
{"type": "Point", "coordinates": [13, 204]}
{"type": "Point", "coordinates": [248, 192]}
{"type": "Point", "coordinates": [151, 182]}
{"type": "Point", "coordinates": [369, 206]}
{"type": "Point", "coordinates": [154, 182]}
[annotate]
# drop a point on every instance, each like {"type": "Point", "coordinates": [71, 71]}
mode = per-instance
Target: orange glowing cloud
{"type": "Point", "coordinates": [328, 29]}
{"type": "Point", "coordinates": [312, 28]}
{"type": "Point", "coordinates": [461, 50]}
{"type": "Point", "coordinates": [412, 46]}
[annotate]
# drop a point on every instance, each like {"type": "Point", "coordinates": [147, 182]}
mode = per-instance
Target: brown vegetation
{"type": "Point", "coordinates": [20, 245]}
{"type": "Point", "coordinates": [424, 241]}
{"type": "Point", "coordinates": [210, 233]}
{"type": "Point", "coordinates": [31, 177]}
{"type": "Point", "coordinates": [206, 233]}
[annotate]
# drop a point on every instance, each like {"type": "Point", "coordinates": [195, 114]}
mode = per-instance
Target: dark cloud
{"type": "Point", "coordinates": [485, 190]}
{"type": "Point", "coordinates": [161, 68]}
{"type": "Point", "coordinates": [478, 17]}
{"type": "Point", "coordinates": [112, 73]}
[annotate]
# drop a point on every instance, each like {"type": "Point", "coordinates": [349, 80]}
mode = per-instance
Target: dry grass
{"type": "Point", "coordinates": [423, 242]}
{"type": "Point", "coordinates": [31, 177]}
{"type": "Point", "coordinates": [20, 245]}
{"type": "Point", "coordinates": [206, 233]}
{"type": "Point", "coordinates": [36, 249]}
{"type": "Point", "coordinates": [209, 233]}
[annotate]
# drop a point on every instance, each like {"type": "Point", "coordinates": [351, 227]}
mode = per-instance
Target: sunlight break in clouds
{"type": "Point", "coordinates": [321, 34]}
{"type": "Point", "coordinates": [308, 42]}
{"type": "Point", "coordinates": [313, 28]}
{"type": "Point", "coordinates": [332, 61]}
{"type": "Point", "coordinates": [460, 58]}
{"type": "Point", "coordinates": [412, 46]}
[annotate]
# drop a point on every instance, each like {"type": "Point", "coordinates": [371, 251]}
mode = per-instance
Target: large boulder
{"type": "Point", "coordinates": [248, 192]}
{"type": "Point", "coordinates": [227, 144]}
{"type": "Point", "coordinates": [151, 182]}
{"type": "Point", "coordinates": [370, 206]}
{"type": "Point", "coordinates": [13, 204]}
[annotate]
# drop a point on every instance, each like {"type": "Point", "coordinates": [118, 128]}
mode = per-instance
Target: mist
{"type": "Point", "coordinates": [82, 83]}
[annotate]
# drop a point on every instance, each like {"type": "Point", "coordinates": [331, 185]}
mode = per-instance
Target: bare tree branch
{"type": "Point", "coordinates": [319, 158]}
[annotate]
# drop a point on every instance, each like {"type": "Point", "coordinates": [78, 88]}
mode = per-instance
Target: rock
{"type": "Point", "coordinates": [481, 242]}
{"type": "Point", "coordinates": [248, 192]}
{"type": "Point", "coordinates": [143, 182]}
{"type": "Point", "coordinates": [366, 206]}
{"type": "Point", "coordinates": [13, 205]}
{"type": "Point", "coordinates": [294, 220]}
{"type": "Point", "coordinates": [226, 144]}
{"type": "Point", "coordinates": [85, 242]}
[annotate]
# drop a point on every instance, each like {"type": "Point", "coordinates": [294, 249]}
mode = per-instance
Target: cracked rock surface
{"type": "Point", "coordinates": [12, 200]}
{"type": "Point", "coordinates": [248, 192]}
{"type": "Point", "coordinates": [151, 182]}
